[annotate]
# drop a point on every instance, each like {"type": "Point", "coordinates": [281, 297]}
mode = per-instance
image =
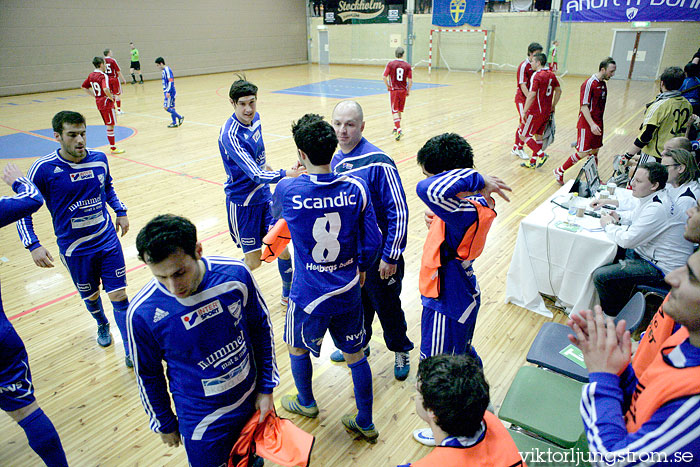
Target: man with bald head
{"type": "Point", "coordinates": [382, 289]}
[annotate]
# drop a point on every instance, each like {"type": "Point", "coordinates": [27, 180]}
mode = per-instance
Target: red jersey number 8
{"type": "Point", "coordinates": [96, 87]}
{"type": "Point", "coordinates": [399, 74]}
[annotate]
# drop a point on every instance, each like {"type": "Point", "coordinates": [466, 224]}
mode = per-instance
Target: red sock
{"type": "Point", "coordinates": [110, 138]}
{"type": "Point", "coordinates": [118, 103]}
{"type": "Point", "coordinates": [536, 147]}
{"type": "Point", "coordinates": [397, 123]}
{"type": "Point", "coordinates": [518, 141]}
{"type": "Point", "coordinates": [573, 159]}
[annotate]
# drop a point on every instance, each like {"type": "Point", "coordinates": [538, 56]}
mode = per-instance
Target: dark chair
{"type": "Point", "coordinates": [552, 349]}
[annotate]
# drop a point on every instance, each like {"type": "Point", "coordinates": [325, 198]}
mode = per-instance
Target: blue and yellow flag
{"type": "Point", "coordinates": [452, 13]}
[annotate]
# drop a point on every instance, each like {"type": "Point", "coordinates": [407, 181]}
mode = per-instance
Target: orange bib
{"type": "Point", "coordinates": [660, 329]}
{"type": "Point", "coordinates": [275, 241]}
{"type": "Point", "coordinates": [661, 383]}
{"type": "Point", "coordinates": [470, 248]}
{"type": "Point", "coordinates": [496, 449]}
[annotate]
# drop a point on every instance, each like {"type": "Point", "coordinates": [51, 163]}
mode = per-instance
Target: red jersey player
{"type": "Point", "coordinates": [97, 85]}
{"type": "Point", "coordinates": [541, 99]}
{"type": "Point", "coordinates": [114, 75]}
{"type": "Point", "coordinates": [589, 130]}
{"type": "Point", "coordinates": [398, 79]}
{"type": "Point", "coordinates": [523, 76]}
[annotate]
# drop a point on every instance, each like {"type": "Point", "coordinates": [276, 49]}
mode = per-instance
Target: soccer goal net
{"type": "Point", "coordinates": [458, 49]}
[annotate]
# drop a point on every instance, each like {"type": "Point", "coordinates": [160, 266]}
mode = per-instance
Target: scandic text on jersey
{"type": "Point", "coordinates": [343, 199]}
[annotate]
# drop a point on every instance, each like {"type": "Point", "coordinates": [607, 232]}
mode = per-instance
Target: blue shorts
{"type": "Point", "coordinates": [305, 331]}
{"type": "Point", "coordinates": [16, 388]}
{"type": "Point", "coordinates": [249, 224]}
{"type": "Point", "coordinates": [441, 334]}
{"type": "Point", "coordinates": [87, 271]}
{"type": "Point", "coordinates": [169, 102]}
{"type": "Point", "coordinates": [215, 447]}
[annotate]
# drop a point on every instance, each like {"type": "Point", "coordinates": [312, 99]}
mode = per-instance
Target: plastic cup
{"type": "Point", "coordinates": [611, 188]}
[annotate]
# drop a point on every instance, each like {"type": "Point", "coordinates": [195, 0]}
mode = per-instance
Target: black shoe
{"type": "Point", "coordinates": [173, 125]}
{"type": "Point", "coordinates": [141, 82]}
{"type": "Point", "coordinates": [180, 120]}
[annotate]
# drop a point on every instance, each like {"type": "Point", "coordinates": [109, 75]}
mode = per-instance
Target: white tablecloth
{"type": "Point", "coordinates": [557, 262]}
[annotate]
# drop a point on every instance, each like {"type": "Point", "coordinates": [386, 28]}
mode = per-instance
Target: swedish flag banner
{"type": "Point", "coordinates": [451, 13]}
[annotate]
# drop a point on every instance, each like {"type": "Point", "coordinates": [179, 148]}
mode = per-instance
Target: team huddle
{"type": "Point", "coordinates": [342, 206]}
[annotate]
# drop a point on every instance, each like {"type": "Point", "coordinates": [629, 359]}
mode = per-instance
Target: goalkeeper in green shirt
{"type": "Point", "coordinates": [135, 64]}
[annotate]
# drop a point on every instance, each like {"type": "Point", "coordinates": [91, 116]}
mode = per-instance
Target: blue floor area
{"type": "Point", "coordinates": [18, 145]}
{"type": "Point", "coordinates": [346, 88]}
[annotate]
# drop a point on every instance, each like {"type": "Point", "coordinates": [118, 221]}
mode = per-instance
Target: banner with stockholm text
{"type": "Point", "coordinates": [600, 11]}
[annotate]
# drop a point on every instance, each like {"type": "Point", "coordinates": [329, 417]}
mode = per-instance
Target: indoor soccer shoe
{"type": "Point", "coordinates": [284, 301]}
{"type": "Point", "coordinates": [180, 120]}
{"type": "Point", "coordinates": [424, 436]}
{"type": "Point", "coordinates": [173, 125]}
{"type": "Point", "coordinates": [559, 177]}
{"type": "Point", "coordinates": [104, 337]}
{"type": "Point", "coordinates": [402, 365]}
{"type": "Point", "coordinates": [398, 135]}
{"type": "Point", "coordinates": [529, 164]}
{"type": "Point", "coordinates": [117, 151]}
{"type": "Point", "coordinates": [370, 434]}
{"type": "Point", "coordinates": [519, 153]}
{"type": "Point", "coordinates": [542, 160]}
{"type": "Point", "coordinates": [292, 404]}
{"type": "Point", "coordinates": [337, 356]}
{"type": "Point", "coordinates": [128, 361]}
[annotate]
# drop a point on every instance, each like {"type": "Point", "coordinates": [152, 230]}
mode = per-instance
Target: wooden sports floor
{"type": "Point", "coordinates": [90, 395]}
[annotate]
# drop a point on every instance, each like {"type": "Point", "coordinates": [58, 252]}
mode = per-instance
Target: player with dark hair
{"type": "Point", "coordinates": [135, 64]}
{"type": "Point", "coordinates": [541, 100]}
{"type": "Point", "coordinates": [452, 398]}
{"type": "Point", "coordinates": [589, 130]}
{"type": "Point", "coordinates": [459, 215]}
{"type": "Point", "coordinates": [17, 389]}
{"type": "Point", "coordinates": [77, 186]}
{"type": "Point", "coordinates": [248, 194]}
{"type": "Point", "coordinates": [169, 93]}
{"type": "Point", "coordinates": [398, 78]}
{"type": "Point", "coordinates": [206, 318]}
{"type": "Point", "coordinates": [381, 293]}
{"type": "Point", "coordinates": [523, 75]}
{"type": "Point", "coordinates": [665, 118]}
{"type": "Point", "coordinates": [115, 77]}
{"type": "Point", "coordinates": [336, 239]}
{"type": "Point", "coordinates": [97, 86]}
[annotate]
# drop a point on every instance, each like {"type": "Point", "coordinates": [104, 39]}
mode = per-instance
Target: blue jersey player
{"type": "Point", "coordinates": [459, 199]}
{"type": "Point", "coordinates": [169, 93]}
{"type": "Point", "coordinates": [336, 239]}
{"type": "Point", "coordinates": [77, 186]}
{"type": "Point", "coordinates": [204, 317]}
{"type": "Point", "coordinates": [247, 187]}
{"type": "Point", "coordinates": [382, 290]}
{"type": "Point", "coordinates": [16, 387]}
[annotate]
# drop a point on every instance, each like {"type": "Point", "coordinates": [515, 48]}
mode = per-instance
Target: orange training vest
{"type": "Point", "coordinates": [276, 439]}
{"type": "Point", "coordinates": [471, 246]}
{"type": "Point", "coordinates": [660, 329]}
{"type": "Point", "coordinates": [496, 449]}
{"type": "Point", "coordinates": [661, 383]}
{"type": "Point", "coordinates": [275, 241]}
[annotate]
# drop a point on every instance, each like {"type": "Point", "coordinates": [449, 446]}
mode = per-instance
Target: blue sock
{"type": "Point", "coordinates": [172, 113]}
{"type": "Point", "coordinates": [43, 438]}
{"type": "Point", "coordinates": [472, 353]}
{"type": "Point", "coordinates": [302, 372]}
{"type": "Point", "coordinates": [362, 381]}
{"type": "Point", "coordinates": [120, 318]}
{"type": "Point", "coordinates": [286, 272]}
{"type": "Point", "coordinates": [96, 310]}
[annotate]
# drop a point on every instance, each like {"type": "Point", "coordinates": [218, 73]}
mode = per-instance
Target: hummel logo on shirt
{"type": "Point", "coordinates": [159, 314]}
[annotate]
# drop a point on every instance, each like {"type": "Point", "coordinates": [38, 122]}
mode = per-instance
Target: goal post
{"type": "Point", "coordinates": [474, 43]}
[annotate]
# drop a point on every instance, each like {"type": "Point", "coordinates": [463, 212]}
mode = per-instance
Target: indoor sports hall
{"type": "Point", "coordinates": [464, 81]}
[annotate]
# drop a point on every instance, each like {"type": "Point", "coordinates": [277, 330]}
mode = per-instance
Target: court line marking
{"type": "Point", "coordinates": [75, 292]}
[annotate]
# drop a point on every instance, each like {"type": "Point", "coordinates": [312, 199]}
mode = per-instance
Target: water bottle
{"type": "Point", "coordinates": [573, 205]}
